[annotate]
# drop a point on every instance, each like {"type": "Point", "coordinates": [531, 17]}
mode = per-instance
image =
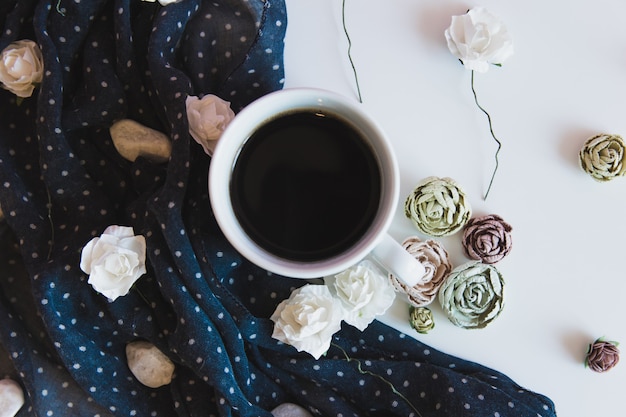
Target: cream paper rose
{"type": "Point", "coordinates": [435, 259]}
{"type": "Point", "coordinates": [472, 296]}
{"type": "Point", "coordinates": [364, 291]}
{"type": "Point", "coordinates": [603, 157]}
{"type": "Point", "coordinates": [438, 207]}
{"type": "Point", "coordinates": [21, 67]}
{"type": "Point", "coordinates": [478, 39]}
{"type": "Point", "coordinates": [208, 117]}
{"type": "Point", "coordinates": [308, 319]}
{"type": "Point", "coordinates": [114, 261]}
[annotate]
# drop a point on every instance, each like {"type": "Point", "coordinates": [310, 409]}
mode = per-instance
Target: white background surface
{"type": "Point", "coordinates": [566, 279]}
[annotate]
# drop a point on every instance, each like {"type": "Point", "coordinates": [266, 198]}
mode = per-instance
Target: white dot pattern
{"type": "Point", "coordinates": [62, 183]}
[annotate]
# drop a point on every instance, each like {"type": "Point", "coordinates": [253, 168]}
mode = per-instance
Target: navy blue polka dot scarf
{"type": "Point", "coordinates": [62, 182]}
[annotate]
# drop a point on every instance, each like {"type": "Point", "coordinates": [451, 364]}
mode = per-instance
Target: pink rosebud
{"type": "Point", "coordinates": [602, 355]}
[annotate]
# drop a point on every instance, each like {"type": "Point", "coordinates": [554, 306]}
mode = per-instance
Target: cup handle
{"type": "Point", "coordinates": [390, 254]}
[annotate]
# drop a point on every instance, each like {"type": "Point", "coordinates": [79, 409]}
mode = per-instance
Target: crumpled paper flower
{"type": "Point", "coordinates": [308, 319]}
{"type": "Point", "coordinates": [479, 39]}
{"type": "Point", "coordinates": [421, 319]}
{"type": "Point", "coordinates": [602, 355]}
{"type": "Point", "coordinates": [208, 118]}
{"type": "Point", "coordinates": [435, 259]}
{"type": "Point", "coordinates": [438, 207]}
{"type": "Point", "coordinates": [114, 261]}
{"type": "Point", "coordinates": [487, 238]}
{"type": "Point", "coordinates": [472, 296]}
{"type": "Point", "coordinates": [603, 157]}
{"type": "Point", "coordinates": [21, 67]}
{"type": "Point", "coordinates": [364, 291]}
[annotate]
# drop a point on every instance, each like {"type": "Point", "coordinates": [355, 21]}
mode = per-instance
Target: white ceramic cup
{"type": "Point", "coordinates": [375, 242]}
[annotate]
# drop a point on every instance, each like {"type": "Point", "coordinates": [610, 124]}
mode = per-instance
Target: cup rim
{"type": "Point", "coordinates": [235, 136]}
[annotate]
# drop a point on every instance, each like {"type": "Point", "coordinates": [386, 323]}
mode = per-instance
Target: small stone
{"type": "Point", "coordinates": [11, 398]}
{"type": "Point", "coordinates": [149, 365]}
{"type": "Point", "coordinates": [132, 139]}
{"type": "Point", "coordinates": [290, 410]}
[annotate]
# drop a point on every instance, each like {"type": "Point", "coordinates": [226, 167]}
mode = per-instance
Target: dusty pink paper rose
{"type": "Point", "coordinates": [435, 259]}
{"type": "Point", "coordinates": [602, 355]}
{"type": "Point", "coordinates": [487, 238]}
{"type": "Point", "coordinates": [208, 117]}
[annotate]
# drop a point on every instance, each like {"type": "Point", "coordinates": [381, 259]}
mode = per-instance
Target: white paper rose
{"type": "Point", "coordinates": [364, 291]}
{"type": "Point", "coordinates": [21, 67]}
{"type": "Point", "coordinates": [208, 117]}
{"type": "Point", "coordinates": [114, 261]}
{"type": "Point", "coordinates": [308, 319]}
{"type": "Point", "coordinates": [478, 39]}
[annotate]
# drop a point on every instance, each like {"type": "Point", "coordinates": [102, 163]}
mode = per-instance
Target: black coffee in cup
{"type": "Point", "coordinates": [306, 185]}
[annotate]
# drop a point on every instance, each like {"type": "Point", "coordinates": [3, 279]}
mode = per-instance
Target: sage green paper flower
{"type": "Point", "coordinates": [438, 207]}
{"type": "Point", "coordinates": [602, 157]}
{"type": "Point", "coordinates": [473, 295]}
{"type": "Point", "coordinates": [421, 319]}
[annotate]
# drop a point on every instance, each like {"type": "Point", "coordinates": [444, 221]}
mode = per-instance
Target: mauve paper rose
{"type": "Point", "coordinates": [308, 319]}
{"type": "Point", "coordinates": [21, 67]}
{"type": "Point", "coordinates": [364, 291]}
{"type": "Point", "coordinates": [602, 157]}
{"type": "Point", "coordinates": [479, 39]}
{"type": "Point", "coordinates": [602, 355]}
{"type": "Point", "coordinates": [438, 207]}
{"type": "Point", "coordinates": [114, 261]}
{"type": "Point", "coordinates": [472, 296]}
{"type": "Point", "coordinates": [435, 259]}
{"type": "Point", "coordinates": [208, 118]}
{"type": "Point", "coordinates": [487, 238]}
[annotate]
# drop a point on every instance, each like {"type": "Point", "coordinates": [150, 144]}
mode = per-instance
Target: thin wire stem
{"type": "Point", "coordinates": [59, 10]}
{"type": "Point", "coordinates": [492, 135]}
{"type": "Point", "coordinates": [363, 372]}
{"type": "Point", "coordinates": [345, 30]}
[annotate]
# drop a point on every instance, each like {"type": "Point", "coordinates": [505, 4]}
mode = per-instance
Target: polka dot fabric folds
{"type": "Point", "coordinates": [62, 183]}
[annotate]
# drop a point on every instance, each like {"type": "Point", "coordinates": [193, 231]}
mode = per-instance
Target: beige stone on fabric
{"type": "Point", "coordinates": [149, 365]}
{"type": "Point", "coordinates": [290, 410]}
{"type": "Point", "coordinates": [132, 140]}
{"type": "Point", "coordinates": [11, 398]}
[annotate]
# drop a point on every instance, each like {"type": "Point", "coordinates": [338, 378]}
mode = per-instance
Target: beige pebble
{"type": "Point", "coordinates": [11, 398]}
{"type": "Point", "coordinates": [290, 410]}
{"type": "Point", "coordinates": [149, 365]}
{"type": "Point", "coordinates": [132, 139]}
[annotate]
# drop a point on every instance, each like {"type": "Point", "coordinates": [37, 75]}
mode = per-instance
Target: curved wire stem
{"type": "Point", "coordinates": [364, 372]}
{"type": "Point", "coordinates": [492, 135]}
{"type": "Point", "coordinates": [345, 30]}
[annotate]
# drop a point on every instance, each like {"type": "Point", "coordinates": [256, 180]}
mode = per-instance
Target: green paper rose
{"type": "Point", "coordinates": [438, 207]}
{"type": "Point", "coordinates": [602, 157]}
{"type": "Point", "coordinates": [472, 296]}
{"type": "Point", "coordinates": [421, 319]}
